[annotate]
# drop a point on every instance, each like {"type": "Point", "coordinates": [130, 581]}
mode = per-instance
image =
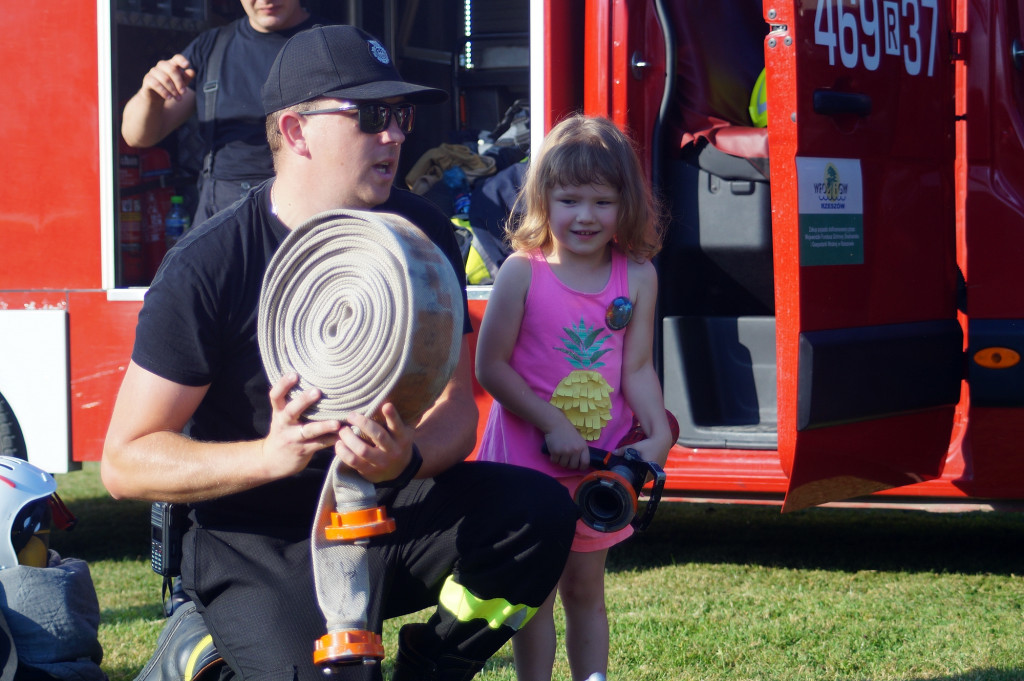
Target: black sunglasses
{"type": "Point", "coordinates": [375, 117]}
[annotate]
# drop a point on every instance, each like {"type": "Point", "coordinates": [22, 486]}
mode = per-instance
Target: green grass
{"type": "Point", "coordinates": [709, 592]}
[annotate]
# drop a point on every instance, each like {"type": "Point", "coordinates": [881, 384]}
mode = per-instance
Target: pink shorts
{"type": "Point", "coordinates": [587, 538]}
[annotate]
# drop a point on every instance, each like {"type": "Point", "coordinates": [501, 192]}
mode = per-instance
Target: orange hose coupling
{"type": "Point", "coordinates": [348, 647]}
{"type": "Point", "coordinates": [353, 525]}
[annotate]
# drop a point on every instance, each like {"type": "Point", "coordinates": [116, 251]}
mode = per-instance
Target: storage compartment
{"type": "Point", "coordinates": [719, 377]}
{"type": "Point", "coordinates": [716, 270]}
{"type": "Point", "coordinates": [717, 256]}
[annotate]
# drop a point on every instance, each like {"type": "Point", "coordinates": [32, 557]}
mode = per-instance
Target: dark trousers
{"type": "Point", "coordinates": [216, 195]}
{"type": "Point", "coordinates": [500, 532]}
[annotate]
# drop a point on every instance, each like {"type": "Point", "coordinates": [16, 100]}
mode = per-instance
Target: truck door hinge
{"type": "Point", "coordinates": [1017, 53]}
{"type": "Point", "coordinates": [957, 45]}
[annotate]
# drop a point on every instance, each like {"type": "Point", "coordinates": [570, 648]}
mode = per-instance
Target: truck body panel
{"type": "Point", "coordinates": [840, 307]}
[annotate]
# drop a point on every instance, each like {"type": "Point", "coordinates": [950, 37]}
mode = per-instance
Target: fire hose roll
{"type": "Point", "coordinates": [364, 307]}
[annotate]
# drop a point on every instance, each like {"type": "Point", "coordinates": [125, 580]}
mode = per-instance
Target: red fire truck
{"type": "Point", "coordinates": [841, 312]}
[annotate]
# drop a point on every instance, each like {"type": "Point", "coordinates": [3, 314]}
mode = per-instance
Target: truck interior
{"type": "Point", "coordinates": [477, 51]}
{"type": "Point", "coordinates": [716, 352]}
{"type": "Point", "coordinates": [717, 300]}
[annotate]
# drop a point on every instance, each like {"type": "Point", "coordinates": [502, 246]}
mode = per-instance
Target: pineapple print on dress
{"type": "Point", "coordinates": [584, 396]}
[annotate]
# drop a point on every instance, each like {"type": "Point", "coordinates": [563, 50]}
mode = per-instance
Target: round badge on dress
{"type": "Point", "coordinates": [619, 312]}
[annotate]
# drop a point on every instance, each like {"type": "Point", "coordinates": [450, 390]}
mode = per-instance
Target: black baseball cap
{"type": "Point", "coordinates": [338, 61]}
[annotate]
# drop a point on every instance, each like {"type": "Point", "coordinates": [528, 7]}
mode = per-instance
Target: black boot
{"type": "Point", "coordinates": [184, 651]}
{"type": "Point", "coordinates": [414, 664]}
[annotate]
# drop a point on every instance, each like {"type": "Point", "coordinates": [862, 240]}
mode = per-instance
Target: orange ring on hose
{"type": "Point", "coordinates": [347, 646]}
{"type": "Point", "coordinates": [365, 522]}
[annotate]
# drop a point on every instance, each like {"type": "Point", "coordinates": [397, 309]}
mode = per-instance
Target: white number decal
{"type": "Point", "coordinates": [934, 7]}
{"type": "Point", "coordinates": [897, 28]}
{"type": "Point", "coordinates": [871, 30]}
{"type": "Point", "coordinates": [912, 64]}
{"type": "Point", "coordinates": [826, 37]}
{"type": "Point", "coordinates": [847, 37]}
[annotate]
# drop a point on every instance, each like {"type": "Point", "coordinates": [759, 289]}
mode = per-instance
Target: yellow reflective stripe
{"type": "Point", "coordinates": [190, 668]}
{"type": "Point", "coordinates": [497, 611]}
{"type": "Point", "coordinates": [758, 108]}
{"type": "Point", "coordinates": [476, 268]}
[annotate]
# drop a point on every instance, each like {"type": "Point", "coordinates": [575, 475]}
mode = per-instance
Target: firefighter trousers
{"type": "Point", "coordinates": [483, 544]}
{"type": "Point", "coordinates": [216, 195]}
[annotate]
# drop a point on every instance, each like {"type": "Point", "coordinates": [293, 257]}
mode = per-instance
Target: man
{"type": "Point", "coordinates": [485, 544]}
{"type": "Point", "coordinates": [228, 102]}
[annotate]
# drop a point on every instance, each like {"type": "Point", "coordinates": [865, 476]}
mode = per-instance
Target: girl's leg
{"type": "Point", "coordinates": [533, 646]}
{"type": "Point", "coordinates": [586, 620]}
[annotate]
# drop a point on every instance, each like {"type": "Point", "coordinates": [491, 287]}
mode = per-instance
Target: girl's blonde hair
{"type": "Point", "coordinates": [588, 150]}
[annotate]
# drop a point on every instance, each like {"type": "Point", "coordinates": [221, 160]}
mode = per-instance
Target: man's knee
{"type": "Point", "coordinates": [518, 487]}
{"type": "Point", "coordinates": [545, 503]}
{"type": "Point", "coordinates": [524, 521]}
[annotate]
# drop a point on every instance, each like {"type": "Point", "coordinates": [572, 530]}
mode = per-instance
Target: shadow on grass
{"type": "Point", "coordinates": [986, 674]}
{"type": "Point", "coordinates": [121, 672]}
{"type": "Point", "coordinates": [136, 613]}
{"type": "Point", "coordinates": [499, 661]}
{"type": "Point", "coordinates": [107, 529]}
{"type": "Point", "coordinates": [827, 539]}
{"type": "Point", "coordinates": [820, 538]}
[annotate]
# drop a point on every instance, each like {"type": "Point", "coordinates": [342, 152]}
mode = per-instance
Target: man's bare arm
{"type": "Point", "coordinates": [446, 434]}
{"type": "Point", "coordinates": [146, 457]}
{"type": "Point", "coordinates": [163, 103]}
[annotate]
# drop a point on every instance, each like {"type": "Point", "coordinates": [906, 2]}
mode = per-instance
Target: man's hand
{"type": "Point", "coordinates": [146, 456]}
{"type": "Point", "coordinates": [377, 452]}
{"type": "Point", "coordinates": [170, 78]}
{"type": "Point", "coordinates": [292, 441]}
{"type": "Point", "coordinates": [163, 103]}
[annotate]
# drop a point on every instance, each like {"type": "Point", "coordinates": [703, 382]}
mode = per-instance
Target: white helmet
{"type": "Point", "coordinates": [25, 492]}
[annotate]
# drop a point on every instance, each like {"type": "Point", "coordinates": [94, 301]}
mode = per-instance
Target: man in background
{"type": "Point", "coordinates": [218, 77]}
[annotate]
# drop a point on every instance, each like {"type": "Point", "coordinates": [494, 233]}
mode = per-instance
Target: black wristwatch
{"type": "Point", "coordinates": [407, 474]}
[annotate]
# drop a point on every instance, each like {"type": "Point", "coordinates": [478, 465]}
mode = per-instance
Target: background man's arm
{"type": "Point", "coordinates": [163, 103]}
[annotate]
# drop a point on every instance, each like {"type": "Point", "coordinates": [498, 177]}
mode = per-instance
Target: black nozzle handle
{"type": "Point", "coordinates": [598, 457]}
{"type": "Point", "coordinates": [640, 523]}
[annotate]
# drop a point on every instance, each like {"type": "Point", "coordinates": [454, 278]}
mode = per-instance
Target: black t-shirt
{"type": "Point", "coordinates": [198, 326]}
{"type": "Point", "coordinates": [240, 138]}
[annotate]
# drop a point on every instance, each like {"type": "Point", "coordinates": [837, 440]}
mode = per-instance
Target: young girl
{"type": "Point", "coordinates": [565, 350]}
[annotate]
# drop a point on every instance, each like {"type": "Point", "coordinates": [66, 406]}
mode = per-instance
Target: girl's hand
{"type": "Point", "coordinates": [567, 447]}
{"type": "Point", "coordinates": [649, 450]}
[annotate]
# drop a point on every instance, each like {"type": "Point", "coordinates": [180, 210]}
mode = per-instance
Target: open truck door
{"type": "Point", "coordinates": [869, 349]}
{"type": "Point", "coordinates": [815, 273]}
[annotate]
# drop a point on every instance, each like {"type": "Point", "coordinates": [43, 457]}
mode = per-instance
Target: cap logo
{"type": "Point", "coordinates": [378, 51]}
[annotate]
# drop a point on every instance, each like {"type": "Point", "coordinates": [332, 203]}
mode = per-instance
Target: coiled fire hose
{"type": "Point", "coordinates": [366, 308]}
